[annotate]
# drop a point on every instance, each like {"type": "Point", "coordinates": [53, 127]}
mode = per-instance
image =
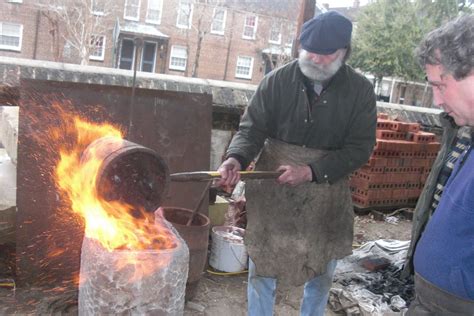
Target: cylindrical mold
{"type": "Point", "coordinates": [129, 172]}
{"type": "Point", "coordinates": [126, 282]}
{"type": "Point", "coordinates": [196, 237]}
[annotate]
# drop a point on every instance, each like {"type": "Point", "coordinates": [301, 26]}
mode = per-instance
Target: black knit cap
{"type": "Point", "coordinates": [326, 33]}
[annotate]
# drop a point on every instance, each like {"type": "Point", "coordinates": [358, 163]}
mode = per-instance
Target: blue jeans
{"type": "Point", "coordinates": [261, 293]}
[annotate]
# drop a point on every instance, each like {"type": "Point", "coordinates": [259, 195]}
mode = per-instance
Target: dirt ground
{"type": "Point", "coordinates": [217, 295]}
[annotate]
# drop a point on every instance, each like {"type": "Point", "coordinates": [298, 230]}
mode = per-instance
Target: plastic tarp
{"type": "Point", "coordinates": [350, 294]}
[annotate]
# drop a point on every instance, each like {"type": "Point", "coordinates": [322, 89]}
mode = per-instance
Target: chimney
{"type": "Point", "coordinates": [356, 4]}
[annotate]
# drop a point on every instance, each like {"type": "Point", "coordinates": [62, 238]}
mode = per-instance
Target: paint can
{"type": "Point", "coordinates": [228, 252]}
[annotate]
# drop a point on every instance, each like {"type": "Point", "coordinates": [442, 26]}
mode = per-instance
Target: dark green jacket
{"type": "Point", "coordinates": [423, 206]}
{"type": "Point", "coordinates": [342, 121]}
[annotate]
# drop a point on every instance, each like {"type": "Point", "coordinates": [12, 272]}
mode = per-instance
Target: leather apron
{"type": "Point", "coordinates": [294, 231]}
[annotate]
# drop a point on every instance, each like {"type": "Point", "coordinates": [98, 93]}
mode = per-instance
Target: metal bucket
{"type": "Point", "coordinates": [129, 172]}
{"type": "Point", "coordinates": [228, 252]}
{"type": "Point", "coordinates": [196, 237]}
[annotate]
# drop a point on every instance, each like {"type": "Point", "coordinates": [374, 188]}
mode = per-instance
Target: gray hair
{"type": "Point", "coordinates": [451, 46]}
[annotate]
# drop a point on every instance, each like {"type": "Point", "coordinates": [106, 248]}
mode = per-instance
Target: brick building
{"type": "Point", "coordinates": [223, 40]}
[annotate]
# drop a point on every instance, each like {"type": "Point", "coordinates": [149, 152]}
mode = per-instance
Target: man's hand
{"type": "Point", "coordinates": [229, 171]}
{"type": "Point", "coordinates": [294, 175]}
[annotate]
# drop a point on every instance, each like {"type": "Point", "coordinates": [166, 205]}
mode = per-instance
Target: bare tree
{"type": "Point", "coordinates": [281, 38]}
{"type": "Point", "coordinates": [206, 16]}
{"type": "Point", "coordinates": [195, 13]}
{"type": "Point", "coordinates": [79, 23]}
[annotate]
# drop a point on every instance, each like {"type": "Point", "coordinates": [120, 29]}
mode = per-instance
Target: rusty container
{"type": "Point", "coordinates": [129, 172]}
{"type": "Point", "coordinates": [196, 237]}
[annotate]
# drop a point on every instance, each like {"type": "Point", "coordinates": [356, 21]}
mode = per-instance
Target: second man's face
{"type": "Point", "coordinates": [456, 97]}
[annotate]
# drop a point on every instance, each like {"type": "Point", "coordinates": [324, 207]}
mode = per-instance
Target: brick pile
{"type": "Point", "coordinates": [398, 168]}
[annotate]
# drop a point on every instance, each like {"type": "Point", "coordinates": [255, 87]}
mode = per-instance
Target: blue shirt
{"type": "Point", "coordinates": [444, 255]}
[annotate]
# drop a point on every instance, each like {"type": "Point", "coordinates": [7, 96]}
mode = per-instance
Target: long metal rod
{"type": "Point", "coordinates": [210, 175]}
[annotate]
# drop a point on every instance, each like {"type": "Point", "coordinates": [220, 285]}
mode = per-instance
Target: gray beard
{"type": "Point", "coordinates": [319, 73]}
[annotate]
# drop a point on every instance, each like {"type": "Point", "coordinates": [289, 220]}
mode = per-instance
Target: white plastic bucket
{"type": "Point", "coordinates": [228, 252]}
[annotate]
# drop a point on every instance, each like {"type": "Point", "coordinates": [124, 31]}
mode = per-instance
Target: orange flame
{"type": "Point", "coordinates": [108, 222]}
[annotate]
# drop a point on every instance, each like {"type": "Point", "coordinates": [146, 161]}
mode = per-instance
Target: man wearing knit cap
{"type": "Point", "coordinates": [314, 121]}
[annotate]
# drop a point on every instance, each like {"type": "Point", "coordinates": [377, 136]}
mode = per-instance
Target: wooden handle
{"type": "Point", "coordinates": [211, 175]}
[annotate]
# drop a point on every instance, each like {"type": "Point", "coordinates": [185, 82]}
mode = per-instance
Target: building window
{"type": "Point", "coordinates": [250, 27]}
{"type": "Point", "coordinates": [132, 10]}
{"type": "Point", "coordinates": [185, 12]}
{"type": "Point", "coordinates": [275, 33]}
{"type": "Point", "coordinates": [10, 36]}
{"type": "Point", "coordinates": [153, 13]}
{"type": "Point", "coordinates": [178, 58]}
{"type": "Point", "coordinates": [218, 21]}
{"type": "Point", "coordinates": [148, 57]}
{"type": "Point", "coordinates": [97, 48]}
{"type": "Point", "coordinates": [244, 67]}
{"type": "Point", "coordinates": [98, 7]}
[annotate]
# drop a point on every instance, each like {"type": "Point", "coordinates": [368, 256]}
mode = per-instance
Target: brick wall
{"type": "Point", "coordinates": [219, 53]}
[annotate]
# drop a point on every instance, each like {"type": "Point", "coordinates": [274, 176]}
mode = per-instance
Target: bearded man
{"type": "Point", "coordinates": [314, 121]}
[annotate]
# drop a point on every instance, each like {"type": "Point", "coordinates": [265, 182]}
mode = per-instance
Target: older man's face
{"type": "Point", "coordinates": [320, 67]}
{"type": "Point", "coordinates": [456, 97]}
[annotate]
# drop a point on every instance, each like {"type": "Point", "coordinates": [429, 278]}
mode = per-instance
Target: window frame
{"type": "Point", "coordinates": [99, 58]}
{"type": "Point", "coordinates": [100, 12]}
{"type": "Point", "coordinates": [175, 67]}
{"type": "Point", "coordinates": [190, 17]}
{"type": "Point", "coordinates": [254, 27]}
{"type": "Point", "coordinates": [270, 40]}
{"type": "Point", "coordinates": [242, 76]}
{"type": "Point", "coordinates": [20, 37]}
{"type": "Point", "coordinates": [147, 19]}
{"type": "Point", "coordinates": [221, 32]}
{"type": "Point", "coordinates": [131, 18]}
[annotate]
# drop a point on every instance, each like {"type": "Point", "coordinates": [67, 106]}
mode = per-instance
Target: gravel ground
{"type": "Point", "coordinates": [217, 295]}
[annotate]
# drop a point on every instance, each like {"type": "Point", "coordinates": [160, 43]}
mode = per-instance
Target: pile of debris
{"type": "Point", "coordinates": [368, 282]}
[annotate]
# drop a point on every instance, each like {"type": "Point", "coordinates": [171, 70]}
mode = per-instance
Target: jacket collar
{"type": "Point", "coordinates": [447, 121]}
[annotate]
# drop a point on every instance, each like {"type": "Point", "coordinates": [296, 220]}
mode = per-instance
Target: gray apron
{"type": "Point", "coordinates": [293, 232]}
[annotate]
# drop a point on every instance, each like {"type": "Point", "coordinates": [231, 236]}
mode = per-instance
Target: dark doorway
{"type": "Point", "coordinates": [127, 54]}
{"type": "Point", "coordinates": [148, 57]}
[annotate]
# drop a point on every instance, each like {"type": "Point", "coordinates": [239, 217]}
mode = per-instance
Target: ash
{"type": "Point", "coordinates": [378, 291]}
{"type": "Point", "coordinates": [386, 282]}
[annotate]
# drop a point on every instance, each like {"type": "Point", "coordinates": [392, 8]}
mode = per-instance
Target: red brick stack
{"type": "Point", "coordinates": [398, 167]}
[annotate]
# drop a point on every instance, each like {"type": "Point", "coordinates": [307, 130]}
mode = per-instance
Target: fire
{"type": "Point", "coordinates": [109, 222]}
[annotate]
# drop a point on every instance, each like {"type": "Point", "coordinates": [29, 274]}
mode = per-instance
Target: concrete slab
{"type": "Point", "coordinates": [7, 198]}
{"type": "Point", "coordinates": [9, 130]}
{"type": "Point", "coordinates": [7, 181]}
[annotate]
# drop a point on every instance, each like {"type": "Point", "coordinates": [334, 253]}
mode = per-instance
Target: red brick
{"type": "Point", "coordinates": [399, 127]}
{"type": "Point", "coordinates": [413, 127]}
{"type": "Point", "coordinates": [433, 147]}
{"type": "Point", "coordinates": [388, 134]}
{"type": "Point", "coordinates": [383, 124]}
{"type": "Point", "coordinates": [421, 137]}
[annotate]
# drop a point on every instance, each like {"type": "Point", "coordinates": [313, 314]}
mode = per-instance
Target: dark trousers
{"type": "Point", "coordinates": [431, 300]}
